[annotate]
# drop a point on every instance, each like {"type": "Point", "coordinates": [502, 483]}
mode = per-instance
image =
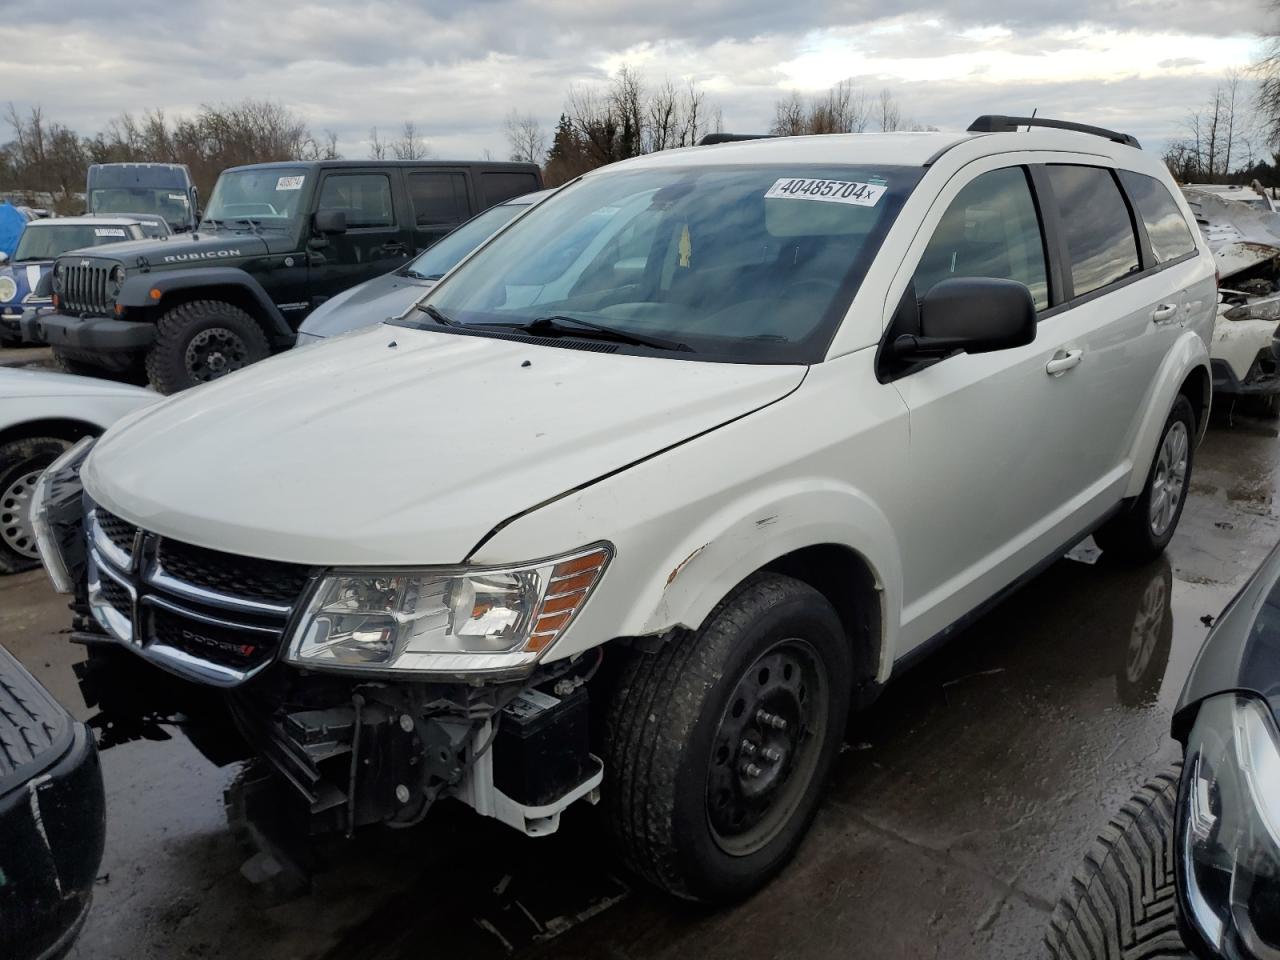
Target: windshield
{"type": "Point", "coordinates": [170, 203]}
{"type": "Point", "coordinates": [754, 264]}
{"type": "Point", "coordinates": [445, 254]}
{"type": "Point", "coordinates": [51, 242]}
{"type": "Point", "coordinates": [265, 198]}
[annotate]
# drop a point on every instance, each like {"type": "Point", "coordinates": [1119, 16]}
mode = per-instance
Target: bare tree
{"type": "Point", "coordinates": [377, 146]}
{"type": "Point", "coordinates": [841, 109]}
{"type": "Point", "coordinates": [525, 136]}
{"type": "Point", "coordinates": [888, 113]}
{"type": "Point", "coordinates": [410, 146]}
{"type": "Point", "coordinates": [1220, 135]}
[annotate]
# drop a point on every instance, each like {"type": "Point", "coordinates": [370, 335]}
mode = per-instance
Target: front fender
{"type": "Point", "coordinates": [136, 291]}
{"type": "Point", "coordinates": [1187, 355]}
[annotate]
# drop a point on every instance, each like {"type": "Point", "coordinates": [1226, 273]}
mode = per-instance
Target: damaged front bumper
{"type": "Point", "coordinates": [184, 635]}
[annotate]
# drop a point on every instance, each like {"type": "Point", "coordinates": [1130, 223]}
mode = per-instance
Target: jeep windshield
{"type": "Point", "coordinates": [51, 242]}
{"type": "Point", "coordinates": [736, 263]}
{"type": "Point", "coordinates": [250, 199]}
{"type": "Point", "coordinates": [167, 202]}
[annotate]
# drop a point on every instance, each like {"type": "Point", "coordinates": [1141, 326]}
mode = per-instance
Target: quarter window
{"type": "Point", "coordinates": [1166, 227]}
{"type": "Point", "coordinates": [990, 230]}
{"type": "Point", "coordinates": [364, 197]}
{"type": "Point", "coordinates": [496, 187]}
{"type": "Point", "coordinates": [1095, 219]}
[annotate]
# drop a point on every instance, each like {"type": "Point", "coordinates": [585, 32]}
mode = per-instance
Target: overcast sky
{"type": "Point", "coordinates": [457, 67]}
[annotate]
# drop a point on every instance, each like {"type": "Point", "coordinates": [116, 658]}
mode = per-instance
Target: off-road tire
{"type": "Point", "coordinates": [124, 367]}
{"type": "Point", "coordinates": [661, 726]}
{"type": "Point", "coordinates": [167, 367]}
{"type": "Point", "coordinates": [1121, 902]}
{"type": "Point", "coordinates": [1128, 536]}
{"type": "Point", "coordinates": [19, 459]}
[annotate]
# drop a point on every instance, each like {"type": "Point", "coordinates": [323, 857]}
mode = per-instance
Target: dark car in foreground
{"type": "Point", "coordinates": [1190, 867]}
{"type": "Point", "coordinates": [52, 819]}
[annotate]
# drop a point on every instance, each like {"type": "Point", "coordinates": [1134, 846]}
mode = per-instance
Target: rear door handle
{"type": "Point", "coordinates": [1164, 313]}
{"type": "Point", "coordinates": [1063, 361]}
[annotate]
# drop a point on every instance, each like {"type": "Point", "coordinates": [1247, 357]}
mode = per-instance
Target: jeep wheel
{"type": "Point", "coordinates": [718, 745]}
{"type": "Point", "coordinates": [1146, 527]}
{"type": "Point", "coordinates": [1120, 903]}
{"type": "Point", "coordinates": [202, 341]}
{"type": "Point", "coordinates": [21, 463]}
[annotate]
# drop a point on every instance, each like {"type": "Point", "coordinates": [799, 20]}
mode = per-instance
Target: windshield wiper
{"type": "Point", "coordinates": [436, 315]}
{"type": "Point", "coordinates": [560, 325]}
{"type": "Point", "coordinates": [422, 276]}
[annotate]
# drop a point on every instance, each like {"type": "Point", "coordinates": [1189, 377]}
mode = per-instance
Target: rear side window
{"type": "Point", "coordinates": [439, 198]}
{"type": "Point", "coordinates": [1166, 227]}
{"type": "Point", "coordinates": [364, 197]}
{"type": "Point", "coordinates": [990, 230]}
{"type": "Point", "coordinates": [1095, 218]}
{"type": "Point", "coordinates": [496, 187]}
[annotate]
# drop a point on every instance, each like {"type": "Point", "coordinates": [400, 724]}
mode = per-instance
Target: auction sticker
{"type": "Point", "coordinates": [108, 232]}
{"type": "Point", "coordinates": [830, 191]}
{"type": "Point", "coordinates": [289, 183]}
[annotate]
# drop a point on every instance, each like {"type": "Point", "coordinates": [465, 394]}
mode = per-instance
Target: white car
{"type": "Point", "coordinates": [41, 415]}
{"type": "Point", "coordinates": [722, 467]}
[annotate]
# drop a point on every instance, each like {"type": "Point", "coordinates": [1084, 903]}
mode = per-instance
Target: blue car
{"type": "Point", "coordinates": [42, 242]}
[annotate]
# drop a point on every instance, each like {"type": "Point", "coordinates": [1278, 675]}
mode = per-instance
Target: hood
{"type": "Point", "coordinates": [178, 250]}
{"type": "Point", "coordinates": [1242, 651]}
{"type": "Point", "coordinates": [401, 446]}
{"type": "Point", "coordinates": [370, 302]}
{"type": "Point", "coordinates": [22, 384]}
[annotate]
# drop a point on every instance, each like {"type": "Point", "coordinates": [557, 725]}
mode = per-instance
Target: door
{"type": "Point", "coordinates": [1124, 318]}
{"type": "Point", "coordinates": [441, 200]}
{"type": "Point", "coordinates": [374, 242]}
{"type": "Point", "coordinates": [994, 437]}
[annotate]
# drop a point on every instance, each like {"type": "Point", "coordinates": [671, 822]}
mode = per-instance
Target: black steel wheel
{"type": "Point", "coordinates": [717, 745]}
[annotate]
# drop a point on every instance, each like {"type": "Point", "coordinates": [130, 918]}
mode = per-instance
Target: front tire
{"type": "Point", "coordinates": [1121, 902]}
{"type": "Point", "coordinates": [201, 341]}
{"type": "Point", "coordinates": [1145, 529]}
{"type": "Point", "coordinates": [21, 463]}
{"type": "Point", "coordinates": [718, 745]}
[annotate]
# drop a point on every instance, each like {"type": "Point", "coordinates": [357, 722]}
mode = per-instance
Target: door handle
{"type": "Point", "coordinates": [1063, 361]}
{"type": "Point", "coordinates": [395, 249]}
{"type": "Point", "coordinates": [1164, 313]}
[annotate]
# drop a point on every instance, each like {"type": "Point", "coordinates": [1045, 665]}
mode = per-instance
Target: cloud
{"type": "Point", "coordinates": [457, 68]}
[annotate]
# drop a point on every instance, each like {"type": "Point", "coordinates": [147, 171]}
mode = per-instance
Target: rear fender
{"type": "Point", "coordinates": [1187, 355]}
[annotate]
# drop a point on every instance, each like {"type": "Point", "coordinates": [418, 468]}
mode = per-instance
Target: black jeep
{"type": "Point", "coordinates": [276, 240]}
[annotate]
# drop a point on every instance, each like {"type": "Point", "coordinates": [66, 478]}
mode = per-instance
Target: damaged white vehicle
{"type": "Point", "coordinates": [654, 488]}
{"type": "Point", "coordinates": [1244, 235]}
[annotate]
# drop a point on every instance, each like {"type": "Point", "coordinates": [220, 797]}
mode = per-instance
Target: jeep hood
{"type": "Point", "coordinates": [182, 248]}
{"type": "Point", "coordinates": [400, 446]}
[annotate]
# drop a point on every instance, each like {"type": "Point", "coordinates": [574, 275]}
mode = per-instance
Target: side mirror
{"type": "Point", "coordinates": [329, 221]}
{"type": "Point", "coordinates": [971, 315]}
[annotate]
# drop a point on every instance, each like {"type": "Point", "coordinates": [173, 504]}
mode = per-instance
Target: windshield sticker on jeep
{"type": "Point", "coordinates": [203, 255]}
{"type": "Point", "coordinates": [108, 231]}
{"type": "Point", "coordinates": [289, 183]}
{"type": "Point", "coordinates": [178, 196]}
{"type": "Point", "coordinates": [832, 191]}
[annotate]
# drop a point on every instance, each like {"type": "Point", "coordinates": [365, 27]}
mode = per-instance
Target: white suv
{"type": "Point", "coordinates": [659, 483]}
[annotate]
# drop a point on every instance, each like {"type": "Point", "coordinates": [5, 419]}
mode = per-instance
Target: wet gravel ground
{"type": "Point", "coordinates": [962, 801]}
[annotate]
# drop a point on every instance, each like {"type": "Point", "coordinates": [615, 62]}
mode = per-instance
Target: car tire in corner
{"type": "Point", "coordinates": [1121, 902]}
{"type": "Point", "coordinates": [21, 463]}
{"type": "Point", "coordinates": [201, 341]}
{"type": "Point", "coordinates": [1145, 528]}
{"type": "Point", "coordinates": [718, 745]}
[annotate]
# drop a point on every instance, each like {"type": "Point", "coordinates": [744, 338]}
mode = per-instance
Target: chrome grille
{"type": "Point", "coordinates": [215, 617]}
{"type": "Point", "coordinates": [86, 288]}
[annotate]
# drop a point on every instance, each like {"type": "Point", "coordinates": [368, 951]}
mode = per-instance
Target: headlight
{"type": "Point", "coordinates": [60, 481]}
{"type": "Point", "coordinates": [1268, 308]}
{"type": "Point", "coordinates": [1229, 828]}
{"type": "Point", "coordinates": [118, 275]}
{"type": "Point", "coordinates": [8, 289]}
{"type": "Point", "coordinates": [445, 620]}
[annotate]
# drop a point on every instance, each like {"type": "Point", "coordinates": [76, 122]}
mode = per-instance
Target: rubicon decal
{"type": "Point", "coordinates": [203, 255]}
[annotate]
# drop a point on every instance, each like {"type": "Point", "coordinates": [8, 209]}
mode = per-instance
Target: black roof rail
{"type": "Point", "coordinates": [994, 123]}
{"type": "Point", "coordinates": [713, 138]}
